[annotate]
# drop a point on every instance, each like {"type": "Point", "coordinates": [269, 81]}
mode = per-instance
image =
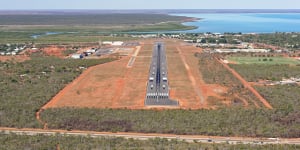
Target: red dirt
{"type": "Point", "coordinates": [231, 62]}
{"type": "Point", "coordinates": [247, 85]}
{"type": "Point", "coordinates": [114, 85]}
{"type": "Point", "coordinates": [54, 50]}
{"type": "Point", "coordinates": [16, 58]}
{"type": "Point", "coordinates": [192, 78]}
{"type": "Point", "coordinates": [186, 83]}
{"type": "Point", "coordinates": [110, 85]}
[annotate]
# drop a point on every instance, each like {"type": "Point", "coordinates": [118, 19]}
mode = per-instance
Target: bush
{"type": "Point", "coordinates": [236, 121]}
{"type": "Point", "coordinates": [27, 86]}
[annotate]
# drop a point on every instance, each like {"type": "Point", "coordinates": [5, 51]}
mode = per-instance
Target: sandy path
{"type": "Point", "coordinates": [191, 77]}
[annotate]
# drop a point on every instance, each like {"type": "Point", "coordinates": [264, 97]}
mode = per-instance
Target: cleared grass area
{"type": "Point", "coordinates": [263, 60]}
{"type": "Point", "coordinates": [78, 38]}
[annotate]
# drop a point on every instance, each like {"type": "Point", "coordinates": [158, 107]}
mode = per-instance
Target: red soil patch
{"type": "Point", "coordinates": [17, 58]}
{"type": "Point", "coordinates": [185, 78]}
{"type": "Point", "coordinates": [110, 85]}
{"type": "Point", "coordinates": [213, 90]}
{"type": "Point", "coordinates": [232, 62]}
{"type": "Point", "coordinates": [54, 50]}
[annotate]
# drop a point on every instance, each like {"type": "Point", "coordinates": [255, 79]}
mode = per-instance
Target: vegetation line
{"type": "Point", "coordinates": [60, 93]}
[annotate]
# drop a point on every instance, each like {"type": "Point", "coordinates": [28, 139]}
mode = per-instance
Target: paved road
{"type": "Point", "coordinates": [142, 136]}
{"type": "Point", "coordinates": [158, 87]}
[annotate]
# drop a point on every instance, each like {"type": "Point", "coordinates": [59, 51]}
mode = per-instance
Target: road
{"type": "Point", "coordinates": [158, 87]}
{"type": "Point", "coordinates": [142, 136]}
{"type": "Point", "coordinates": [246, 84]}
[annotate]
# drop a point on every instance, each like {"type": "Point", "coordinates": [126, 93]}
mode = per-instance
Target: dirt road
{"type": "Point", "coordinates": [191, 77]}
{"type": "Point", "coordinates": [147, 136]}
{"type": "Point", "coordinates": [247, 85]}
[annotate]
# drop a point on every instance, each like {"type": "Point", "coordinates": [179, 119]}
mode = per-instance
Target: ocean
{"type": "Point", "coordinates": [244, 22]}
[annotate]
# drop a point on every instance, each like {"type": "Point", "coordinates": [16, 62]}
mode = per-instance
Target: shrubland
{"type": "Point", "coordinates": [27, 86]}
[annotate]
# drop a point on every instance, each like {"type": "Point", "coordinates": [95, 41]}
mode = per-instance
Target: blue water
{"type": "Point", "coordinates": [245, 23]}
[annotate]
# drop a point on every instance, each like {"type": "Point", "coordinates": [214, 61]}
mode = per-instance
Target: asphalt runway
{"type": "Point", "coordinates": [158, 87]}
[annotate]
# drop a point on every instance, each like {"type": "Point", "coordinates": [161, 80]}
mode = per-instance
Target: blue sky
{"type": "Point", "coordinates": [149, 4]}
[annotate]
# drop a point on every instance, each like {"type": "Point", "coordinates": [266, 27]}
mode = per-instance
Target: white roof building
{"type": "Point", "coordinates": [107, 42]}
{"type": "Point", "coordinates": [117, 43]}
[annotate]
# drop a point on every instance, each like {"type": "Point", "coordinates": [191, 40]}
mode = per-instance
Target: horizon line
{"type": "Point", "coordinates": [167, 9]}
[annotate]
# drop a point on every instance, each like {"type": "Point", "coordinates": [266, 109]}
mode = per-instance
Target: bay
{"type": "Point", "coordinates": [244, 22]}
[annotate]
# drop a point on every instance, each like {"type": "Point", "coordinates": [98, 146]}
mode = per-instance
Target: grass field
{"type": "Point", "coordinates": [263, 60]}
{"type": "Point", "coordinates": [73, 34]}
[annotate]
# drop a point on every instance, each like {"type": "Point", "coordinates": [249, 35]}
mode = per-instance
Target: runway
{"type": "Point", "coordinates": [158, 87]}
